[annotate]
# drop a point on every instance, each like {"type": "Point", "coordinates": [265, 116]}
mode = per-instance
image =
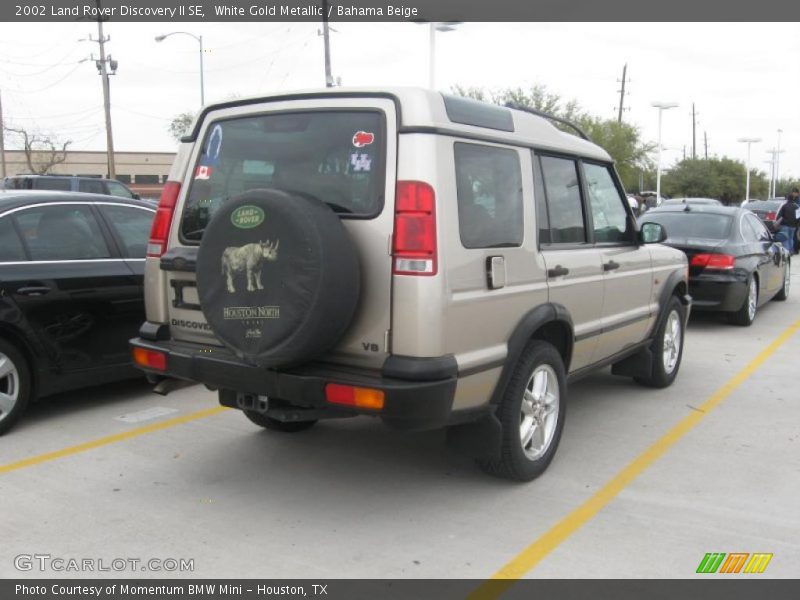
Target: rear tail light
{"type": "Point", "coordinates": [714, 261]}
{"type": "Point", "coordinates": [348, 395]}
{"type": "Point", "coordinates": [771, 216]}
{"type": "Point", "coordinates": [414, 241]}
{"type": "Point", "coordinates": [163, 219]}
{"type": "Point", "coordinates": [150, 359]}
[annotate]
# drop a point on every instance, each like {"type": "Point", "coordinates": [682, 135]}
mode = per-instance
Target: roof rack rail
{"type": "Point", "coordinates": [550, 117]}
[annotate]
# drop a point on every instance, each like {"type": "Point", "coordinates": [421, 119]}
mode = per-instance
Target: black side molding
{"type": "Point", "coordinates": [413, 368]}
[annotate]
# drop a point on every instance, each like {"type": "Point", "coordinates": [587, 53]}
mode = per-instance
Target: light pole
{"type": "Point", "coordinates": [661, 106]}
{"type": "Point", "coordinates": [749, 142]}
{"type": "Point", "coordinates": [199, 39]}
{"type": "Point", "coordinates": [777, 163]}
{"type": "Point", "coordinates": [435, 26]}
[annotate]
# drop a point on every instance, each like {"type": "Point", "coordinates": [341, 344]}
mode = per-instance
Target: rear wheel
{"type": "Point", "coordinates": [747, 312]}
{"type": "Point", "coordinates": [783, 294]}
{"type": "Point", "coordinates": [15, 385]}
{"type": "Point", "coordinates": [276, 425]}
{"type": "Point", "coordinates": [667, 348]}
{"type": "Point", "coordinates": [532, 414]}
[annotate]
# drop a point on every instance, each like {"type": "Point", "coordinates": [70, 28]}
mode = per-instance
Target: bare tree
{"type": "Point", "coordinates": [42, 151]}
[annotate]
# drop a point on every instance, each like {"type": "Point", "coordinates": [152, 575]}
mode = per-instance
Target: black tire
{"type": "Point", "coordinates": [514, 462]}
{"type": "Point", "coordinates": [278, 277]}
{"type": "Point", "coordinates": [744, 317]}
{"type": "Point", "coordinates": [783, 294]}
{"type": "Point", "coordinates": [19, 384]}
{"type": "Point", "coordinates": [660, 376]}
{"type": "Point", "coordinates": [275, 425]}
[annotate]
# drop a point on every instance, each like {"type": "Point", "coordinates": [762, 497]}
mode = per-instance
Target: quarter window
{"type": "Point", "coordinates": [489, 189]}
{"type": "Point", "coordinates": [132, 226]}
{"type": "Point", "coordinates": [609, 216]}
{"type": "Point", "coordinates": [564, 207]}
{"type": "Point", "coordinates": [62, 232]}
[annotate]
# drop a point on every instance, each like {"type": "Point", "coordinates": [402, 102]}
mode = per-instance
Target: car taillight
{"type": "Point", "coordinates": [348, 395]}
{"type": "Point", "coordinates": [150, 359]}
{"type": "Point", "coordinates": [163, 219]}
{"type": "Point", "coordinates": [714, 261]}
{"type": "Point", "coordinates": [414, 241]}
{"type": "Point", "coordinates": [771, 216]}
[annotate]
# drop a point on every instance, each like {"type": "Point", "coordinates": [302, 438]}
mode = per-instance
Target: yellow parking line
{"type": "Point", "coordinates": [109, 439]}
{"type": "Point", "coordinates": [529, 557]}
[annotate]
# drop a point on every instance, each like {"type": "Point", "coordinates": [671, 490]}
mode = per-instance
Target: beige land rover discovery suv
{"type": "Point", "coordinates": [424, 258]}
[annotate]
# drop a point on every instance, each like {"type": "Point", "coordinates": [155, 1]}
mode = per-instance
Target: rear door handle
{"type": "Point", "coordinates": [610, 266]}
{"type": "Point", "coordinates": [558, 271]}
{"type": "Point", "coordinates": [33, 290]}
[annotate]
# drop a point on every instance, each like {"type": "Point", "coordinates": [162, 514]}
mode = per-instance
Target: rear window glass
{"type": "Point", "coordinates": [692, 225]}
{"type": "Point", "coordinates": [335, 156]}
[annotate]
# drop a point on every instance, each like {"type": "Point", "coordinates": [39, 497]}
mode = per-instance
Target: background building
{"type": "Point", "coordinates": [143, 172]}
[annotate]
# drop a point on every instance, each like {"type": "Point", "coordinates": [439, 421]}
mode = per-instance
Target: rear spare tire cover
{"type": "Point", "coordinates": [277, 277]}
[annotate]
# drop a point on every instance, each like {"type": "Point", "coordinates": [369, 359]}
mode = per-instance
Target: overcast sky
{"type": "Point", "coordinates": [744, 78]}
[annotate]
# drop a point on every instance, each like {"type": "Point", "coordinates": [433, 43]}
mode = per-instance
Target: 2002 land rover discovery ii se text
{"type": "Point", "coordinates": [428, 259]}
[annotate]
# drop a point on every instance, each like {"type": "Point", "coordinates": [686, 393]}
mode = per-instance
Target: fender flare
{"type": "Point", "coordinates": [675, 279]}
{"type": "Point", "coordinates": [527, 327]}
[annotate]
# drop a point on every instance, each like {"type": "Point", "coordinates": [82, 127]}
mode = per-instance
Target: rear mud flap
{"type": "Point", "coordinates": [637, 365]}
{"type": "Point", "coordinates": [477, 439]}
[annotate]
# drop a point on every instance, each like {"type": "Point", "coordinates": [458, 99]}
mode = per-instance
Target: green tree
{"type": "Point", "coordinates": [720, 178]}
{"type": "Point", "coordinates": [621, 140]}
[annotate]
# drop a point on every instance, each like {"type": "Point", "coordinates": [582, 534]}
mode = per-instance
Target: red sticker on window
{"type": "Point", "coordinates": [363, 138]}
{"type": "Point", "coordinates": [203, 172]}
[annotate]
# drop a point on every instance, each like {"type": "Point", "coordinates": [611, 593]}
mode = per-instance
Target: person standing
{"type": "Point", "coordinates": [788, 219]}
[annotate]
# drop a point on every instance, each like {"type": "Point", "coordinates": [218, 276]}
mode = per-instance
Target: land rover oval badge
{"type": "Point", "coordinates": [247, 217]}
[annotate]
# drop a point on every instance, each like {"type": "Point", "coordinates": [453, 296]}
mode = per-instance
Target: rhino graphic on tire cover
{"type": "Point", "coordinates": [249, 259]}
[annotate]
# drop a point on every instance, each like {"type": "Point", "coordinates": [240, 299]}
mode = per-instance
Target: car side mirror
{"type": "Point", "coordinates": [137, 196]}
{"type": "Point", "coordinates": [652, 233]}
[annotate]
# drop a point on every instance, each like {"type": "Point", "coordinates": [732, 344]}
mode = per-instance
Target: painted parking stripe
{"type": "Point", "coordinates": [109, 439]}
{"type": "Point", "coordinates": [147, 414]}
{"type": "Point", "coordinates": [532, 555]}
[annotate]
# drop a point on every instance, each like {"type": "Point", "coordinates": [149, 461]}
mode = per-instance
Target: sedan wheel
{"type": "Point", "coordinates": [783, 294]}
{"type": "Point", "coordinates": [14, 385]}
{"type": "Point", "coordinates": [747, 312]}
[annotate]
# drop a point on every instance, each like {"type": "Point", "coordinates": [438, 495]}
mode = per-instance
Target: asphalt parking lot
{"type": "Point", "coordinates": [626, 496]}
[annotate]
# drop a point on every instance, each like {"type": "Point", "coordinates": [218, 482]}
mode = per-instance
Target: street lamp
{"type": "Point", "coordinates": [435, 26]}
{"type": "Point", "coordinates": [199, 39]}
{"type": "Point", "coordinates": [661, 106]}
{"type": "Point", "coordinates": [749, 142]}
{"type": "Point", "coordinates": [777, 164]}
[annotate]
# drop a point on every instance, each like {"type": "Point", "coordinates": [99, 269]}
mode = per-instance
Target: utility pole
{"type": "Point", "coordinates": [102, 68]}
{"type": "Point", "coordinates": [705, 143]}
{"type": "Point", "coordinates": [778, 161]}
{"type": "Point", "coordinates": [326, 37]}
{"type": "Point", "coordinates": [622, 93]}
{"type": "Point", "coordinates": [694, 133]}
{"type": "Point", "coordinates": [2, 142]}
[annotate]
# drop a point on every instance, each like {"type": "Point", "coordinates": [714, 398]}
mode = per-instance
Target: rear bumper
{"type": "Point", "coordinates": [422, 401]}
{"type": "Point", "coordinates": [724, 292]}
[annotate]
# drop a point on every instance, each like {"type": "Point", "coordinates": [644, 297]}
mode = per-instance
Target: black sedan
{"type": "Point", "coordinates": [71, 277]}
{"type": "Point", "coordinates": [735, 265]}
{"type": "Point", "coordinates": [766, 210]}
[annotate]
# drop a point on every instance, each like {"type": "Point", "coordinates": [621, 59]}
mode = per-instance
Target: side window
{"type": "Point", "coordinates": [489, 188]}
{"type": "Point", "coordinates": [542, 218]}
{"type": "Point", "coordinates": [10, 245]}
{"type": "Point", "coordinates": [91, 186]}
{"type": "Point", "coordinates": [610, 218]}
{"type": "Point", "coordinates": [116, 189]}
{"type": "Point", "coordinates": [564, 208]}
{"type": "Point", "coordinates": [132, 226]}
{"type": "Point", "coordinates": [61, 184]}
{"type": "Point", "coordinates": [62, 232]}
{"type": "Point", "coordinates": [754, 230]}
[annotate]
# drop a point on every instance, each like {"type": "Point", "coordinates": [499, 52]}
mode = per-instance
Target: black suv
{"type": "Point", "coordinates": [71, 275]}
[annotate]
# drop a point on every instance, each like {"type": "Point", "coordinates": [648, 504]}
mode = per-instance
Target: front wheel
{"type": "Point", "coordinates": [532, 413]}
{"type": "Point", "coordinates": [783, 294]}
{"type": "Point", "coordinates": [667, 348]}
{"type": "Point", "coordinates": [15, 385]}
